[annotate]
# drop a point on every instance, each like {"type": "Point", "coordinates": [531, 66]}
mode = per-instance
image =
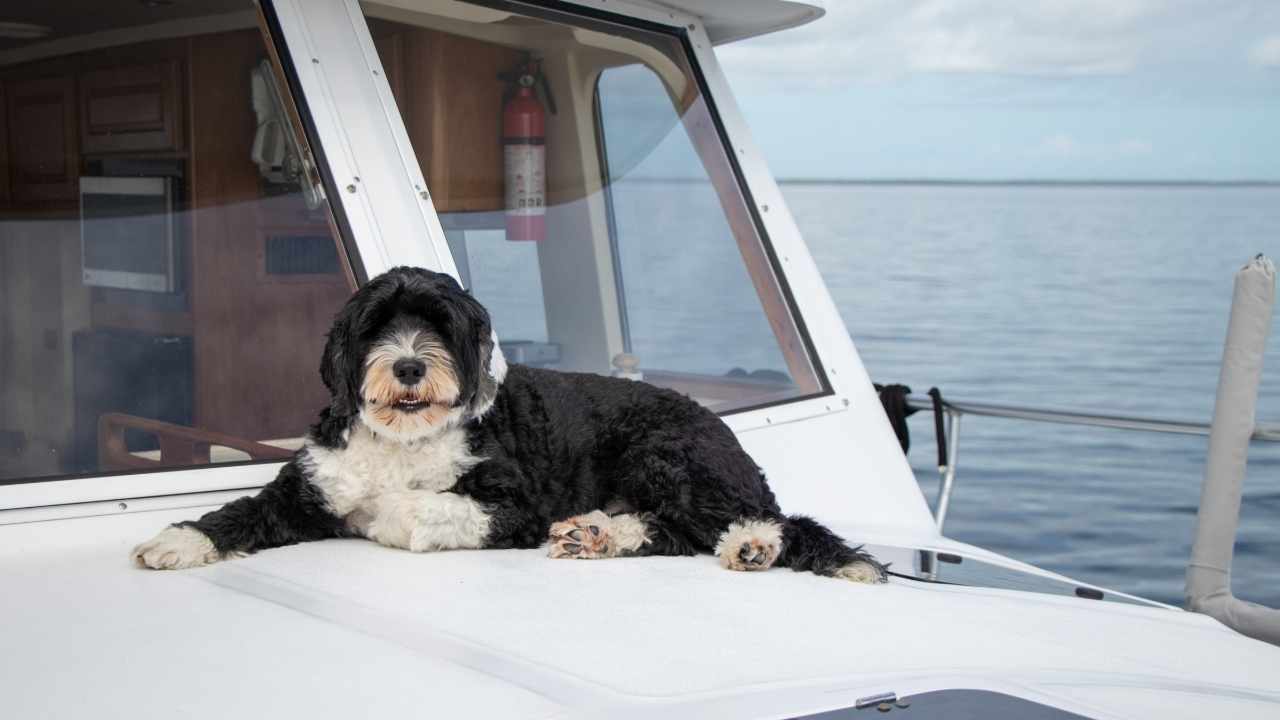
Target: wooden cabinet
{"type": "Point", "coordinates": [451, 101]}
{"type": "Point", "coordinates": [131, 108]}
{"type": "Point", "coordinates": [43, 155]}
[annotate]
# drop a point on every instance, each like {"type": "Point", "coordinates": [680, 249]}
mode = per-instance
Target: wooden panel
{"type": "Point", "coordinates": [453, 112]}
{"type": "Point", "coordinates": [130, 108]}
{"type": "Point", "coordinates": [143, 319]}
{"type": "Point", "coordinates": [44, 160]}
{"type": "Point", "coordinates": [389, 39]}
{"type": "Point", "coordinates": [257, 343]}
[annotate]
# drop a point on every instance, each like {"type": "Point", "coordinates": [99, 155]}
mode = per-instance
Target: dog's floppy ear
{"type": "Point", "coordinates": [481, 364]}
{"type": "Point", "coordinates": [340, 371]}
{"type": "Point", "coordinates": [493, 370]}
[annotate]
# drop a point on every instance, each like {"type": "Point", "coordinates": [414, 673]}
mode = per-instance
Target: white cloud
{"type": "Point", "coordinates": [1065, 146]}
{"type": "Point", "coordinates": [1134, 147]}
{"type": "Point", "coordinates": [879, 39]}
{"type": "Point", "coordinates": [1059, 146]}
{"type": "Point", "coordinates": [1267, 52]}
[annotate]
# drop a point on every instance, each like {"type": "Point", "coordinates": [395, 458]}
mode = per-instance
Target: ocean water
{"type": "Point", "coordinates": [1103, 298]}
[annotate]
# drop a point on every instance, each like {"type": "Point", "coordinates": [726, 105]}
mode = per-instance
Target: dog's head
{"type": "Point", "coordinates": [410, 354]}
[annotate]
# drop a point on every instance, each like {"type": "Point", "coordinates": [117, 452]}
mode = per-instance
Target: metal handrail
{"type": "Point", "coordinates": [1269, 432]}
{"type": "Point", "coordinates": [956, 409]}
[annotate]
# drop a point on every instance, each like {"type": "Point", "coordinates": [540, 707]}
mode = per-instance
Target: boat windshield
{"type": "Point", "coordinates": [581, 180]}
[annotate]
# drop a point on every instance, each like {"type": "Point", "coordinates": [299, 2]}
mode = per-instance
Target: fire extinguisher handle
{"type": "Point", "coordinates": [546, 91]}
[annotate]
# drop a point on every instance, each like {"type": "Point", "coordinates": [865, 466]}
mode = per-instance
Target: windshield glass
{"type": "Point", "coordinates": [168, 263]}
{"type": "Point", "coordinates": [582, 183]}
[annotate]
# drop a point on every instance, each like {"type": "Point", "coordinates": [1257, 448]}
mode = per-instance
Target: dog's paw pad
{"type": "Point", "coordinates": [750, 545]}
{"type": "Point", "coordinates": [754, 554]}
{"type": "Point", "coordinates": [585, 537]}
{"type": "Point", "coordinates": [175, 548]}
{"type": "Point", "coordinates": [861, 571]}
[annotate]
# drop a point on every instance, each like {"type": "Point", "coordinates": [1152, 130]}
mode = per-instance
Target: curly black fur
{"type": "Point", "coordinates": [554, 445]}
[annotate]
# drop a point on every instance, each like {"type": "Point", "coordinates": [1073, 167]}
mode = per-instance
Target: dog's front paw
{"type": "Point", "coordinates": [585, 537]}
{"type": "Point", "coordinates": [176, 548]}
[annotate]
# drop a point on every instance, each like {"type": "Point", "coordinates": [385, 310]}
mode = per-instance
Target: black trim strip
{"type": "Point", "coordinates": [122, 473]}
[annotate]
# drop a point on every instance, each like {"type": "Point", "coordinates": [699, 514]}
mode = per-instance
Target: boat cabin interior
{"type": "Point", "coordinates": [170, 256]}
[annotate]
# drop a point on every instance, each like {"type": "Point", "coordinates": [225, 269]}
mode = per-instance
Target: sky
{"type": "Point", "coordinates": [1018, 89]}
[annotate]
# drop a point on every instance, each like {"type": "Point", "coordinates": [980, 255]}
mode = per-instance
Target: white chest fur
{"type": "Point", "coordinates": [371, 468]}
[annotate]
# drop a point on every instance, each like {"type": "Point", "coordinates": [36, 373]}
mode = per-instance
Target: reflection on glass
{"type": "Point", "coordinates": [165, 281]}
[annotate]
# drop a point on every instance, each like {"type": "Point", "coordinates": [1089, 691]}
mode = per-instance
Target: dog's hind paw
{"type": "Point", "coordinates": [584, 537]}
{"type": "Point", "coordinates": [861, 571]}
{"type": "Point", "coordinates": [750, 545]}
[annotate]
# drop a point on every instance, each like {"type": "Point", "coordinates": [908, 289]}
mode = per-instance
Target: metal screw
{"type": "Point", "coordinates": [315, 61]}
{"type": "Point", "coordinates": [123, 506]}
{"type": "Point", "coordinates": [692, 26]}
{"type": "Point", "coordinates": [424, 195]}
{"type": "Point", "coordinates": [351, 188]}
{"type": "Point", "coordinates": [764, 208]}
{"type": "Point", "coordinates": [846, 402]}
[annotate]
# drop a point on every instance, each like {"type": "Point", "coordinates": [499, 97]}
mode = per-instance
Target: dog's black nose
{"type": "Point", "coordinates": [409, 370]}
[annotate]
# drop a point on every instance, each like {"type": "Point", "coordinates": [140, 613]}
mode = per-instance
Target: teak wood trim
{"type": "Point", "coordinates": [179, 445]}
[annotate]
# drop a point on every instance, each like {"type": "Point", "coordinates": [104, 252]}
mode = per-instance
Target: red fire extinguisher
{"type": "Point", "coordinates": [524, 151]}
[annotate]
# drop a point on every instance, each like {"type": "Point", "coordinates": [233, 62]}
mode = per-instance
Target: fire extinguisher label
{"type": "Point", "coordinates": [524, 169]}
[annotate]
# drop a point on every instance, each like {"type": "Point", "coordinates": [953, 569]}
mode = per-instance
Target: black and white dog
{"type": "Point", "coordinates": [430, 442]}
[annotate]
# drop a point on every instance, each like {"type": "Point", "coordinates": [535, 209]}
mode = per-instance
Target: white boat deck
{"type": "Point", "coordinates": [512, 633]}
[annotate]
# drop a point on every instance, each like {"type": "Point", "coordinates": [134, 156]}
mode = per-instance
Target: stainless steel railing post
{"type": "Point", "coordinates": [1234, 413]}
{"type": "Point", "coordinates": [948, 472]}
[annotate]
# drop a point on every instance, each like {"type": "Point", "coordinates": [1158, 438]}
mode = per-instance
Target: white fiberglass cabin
{"type": "Point", "coordinates": [191, 188]}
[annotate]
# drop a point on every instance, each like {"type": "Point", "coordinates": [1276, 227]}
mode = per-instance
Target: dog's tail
{"type": "Point", "coordinates": [809, 545]}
